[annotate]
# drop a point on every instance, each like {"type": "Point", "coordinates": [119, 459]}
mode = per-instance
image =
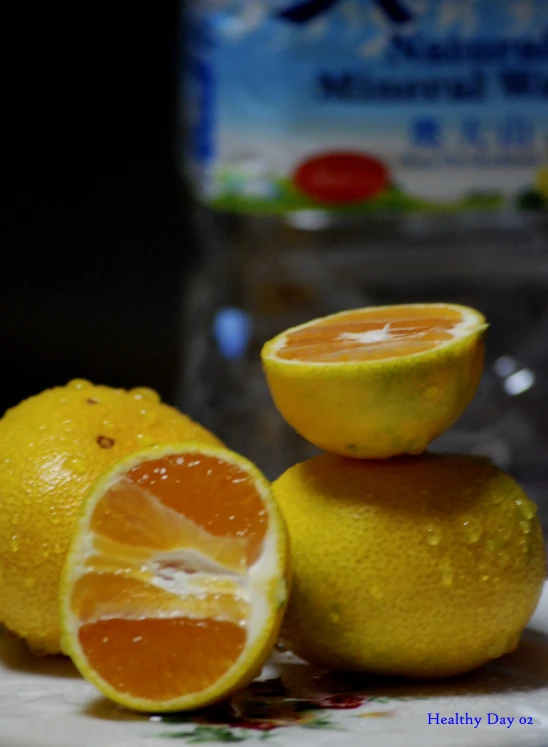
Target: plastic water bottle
{"type": "Point", "coordinates": [344, 153]}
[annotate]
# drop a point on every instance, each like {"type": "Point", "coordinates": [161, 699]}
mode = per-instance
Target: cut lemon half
{"type": "Point", "coordinates": [380, 381]}
{"type": "Point", "coordinates": [176, 580]}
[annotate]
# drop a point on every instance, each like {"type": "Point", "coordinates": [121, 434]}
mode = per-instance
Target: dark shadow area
{"type": "Point", "coordinates": [15, 656]}
{"type": "Point", "coordinates": [95, 246]}
{"type": "Point", "coordinates": [524, 669]}
{"type": "Point", "coordinates": [106, 710]}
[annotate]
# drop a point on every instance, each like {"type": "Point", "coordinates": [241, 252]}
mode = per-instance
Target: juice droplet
{"type": "Point", "coordinates": [471, 529]}
{"type": "Point", "coordinates": [433, 536]}
{"type": "Point", "coordinates": [144, 393]}
{"type": "Point", "coordinates": [79, 384]}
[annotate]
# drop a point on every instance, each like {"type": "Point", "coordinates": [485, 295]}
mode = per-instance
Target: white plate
{"type": "Point", "coordinates": [44, 703]}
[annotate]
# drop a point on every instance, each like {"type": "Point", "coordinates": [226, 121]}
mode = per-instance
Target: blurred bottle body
{"type": "Point", "coordinates": [364, 152]}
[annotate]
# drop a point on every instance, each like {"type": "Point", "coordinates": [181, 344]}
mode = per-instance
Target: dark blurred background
{"type": "Point", "coordinates": [94, 243]}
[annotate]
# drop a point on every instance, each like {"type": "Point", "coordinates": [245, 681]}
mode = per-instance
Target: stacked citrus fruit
{"type": "Point", "coordinates": [404, 562]}
{"type": "Point", "coordinates": [133, 541]}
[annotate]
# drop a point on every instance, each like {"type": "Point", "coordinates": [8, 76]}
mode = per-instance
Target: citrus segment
{"type": "Point", "coordinates": [160, 654]}
{"type": "Point", "coordinates": [174, 586]}
{"type": "Point", "coordinates": [380, 381]}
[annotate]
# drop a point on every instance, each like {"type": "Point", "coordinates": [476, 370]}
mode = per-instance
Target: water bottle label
{"type": "Point", "coordinates": [368, 105]}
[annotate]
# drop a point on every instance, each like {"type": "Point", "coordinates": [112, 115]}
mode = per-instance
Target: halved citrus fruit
{"type": "Point", "coordinates": [380, 381]}
{"type": "Point", "coordinates": [176, 580]}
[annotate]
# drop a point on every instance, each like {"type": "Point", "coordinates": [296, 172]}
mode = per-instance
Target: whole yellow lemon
{"type": "Point", "coordinates": [421, 566]}
{"type": "Point", "coordinates": [52, 447]}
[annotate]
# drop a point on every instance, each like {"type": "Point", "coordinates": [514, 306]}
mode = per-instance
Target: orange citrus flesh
{"type": "Point", "coordinates": [371, 334]}
{"type": "Point", "coordinates": [157, 592]}
{"type": "Point", "coordinates": [166, 648]}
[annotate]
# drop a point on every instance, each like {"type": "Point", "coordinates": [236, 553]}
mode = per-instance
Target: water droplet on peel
{"type": "Point", "coordinates": [471, 529]}
{"type": "Point", "coordinates": [144, 393]}
{"type": "Point", "coordinates": [433, 536]}
{"type": "Point", "coordinates": [528, 509]}
{"type": "Point", "coordinates": [525, 526]}
{"type": "Point", "coordinates": [136, 639]}
{"type": "Point", "coordinates": [14, 543]}
{"type": "Point", "coordinates": [485, 578]}
{"type": "Point", "coordinates": [498, 648]}
{"type": "Point", "coordinates": [376, 592]}
{"type": "Point", "coordinates": [79, 384]}
{"type": "Point", "coordinates": [447, 573]}
{"type": "Point", "coordinates": [149, 416]}
{"type": "Point", "coordinates": [504, 558]}
{"type": "Point", "coordinates": [106, 639]}
{"type": "Point", "coordinates": [504, 533]}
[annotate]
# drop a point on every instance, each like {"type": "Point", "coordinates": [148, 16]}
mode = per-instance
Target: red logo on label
{"type": "Point", "coordinates": [341, 177]}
